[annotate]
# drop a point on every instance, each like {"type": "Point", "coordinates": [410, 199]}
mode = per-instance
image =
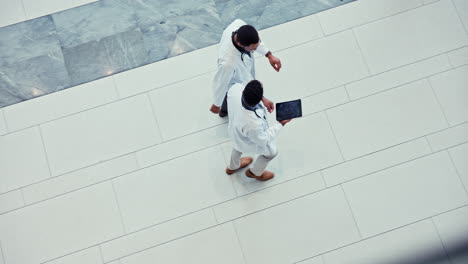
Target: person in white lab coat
{"type": "Point", "coordinates": [250, 131]}
{"type": "Point", "coordinates": [236, 63]}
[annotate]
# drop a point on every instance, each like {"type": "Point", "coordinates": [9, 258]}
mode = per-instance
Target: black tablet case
{"type": "Point", "coordinates": [288, 110]}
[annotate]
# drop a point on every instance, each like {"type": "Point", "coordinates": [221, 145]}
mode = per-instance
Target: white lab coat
{"type": "Point", "coordinates": [231, 68]}
{"type": "Point", "coordinates": [249, 133]}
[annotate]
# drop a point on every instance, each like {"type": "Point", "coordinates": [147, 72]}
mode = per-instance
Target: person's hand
{"type": "Point", "coordinates": [275, 62]}
{"type": "Point", "coordinates": [283, 122]}
{"type": "Point", "coordinates": [270, 106]}
{"type": "Point", "coordinates": [215, 109]}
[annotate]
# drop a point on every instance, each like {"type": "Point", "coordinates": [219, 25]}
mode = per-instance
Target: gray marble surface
{"type": "Point", "coordinates": [82, 44]}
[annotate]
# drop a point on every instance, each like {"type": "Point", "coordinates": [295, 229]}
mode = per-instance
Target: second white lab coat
{"type": "Point", "coordinates": [249, 133]}
{"type": "Point", "coordinates": [231, 67]}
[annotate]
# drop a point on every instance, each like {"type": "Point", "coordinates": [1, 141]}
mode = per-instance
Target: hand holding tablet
{"type": "Point", "coordinates": [288, 110]}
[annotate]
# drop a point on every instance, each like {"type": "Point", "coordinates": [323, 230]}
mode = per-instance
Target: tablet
{"type": "Point", "coordinates": [288, 110]}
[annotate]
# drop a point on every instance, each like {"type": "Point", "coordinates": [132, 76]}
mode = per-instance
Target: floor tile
{"type": "Point", "coordinates": [177, 112]}
{"type": "Point", "coordinates": [462, 10]}
{"type": "Point", "coordinates": [79, 179]}
{"type": "Point", "coordinates": [453, 227]}
{"type": "Point", "coordinates": [291, 33]}
{"type": "Point", "coordinates": [362, 12]}
{"type": "Point", "coordinates": [404, 194]}
{"type": "Point", "coordinates": [60, 226]}
{"type": "Point", "coordinates": [168, 71]}
{"type": "Point", "coordinates": [298, 229]}
{"type": "Point", "coordinates": [15, 149]}
{"type": "Point", "coordinates": [92, 60]}
{"type": "Point", "coordinates": [386, 119]}
{"type": "Point", "coordinates": [27, 40]}
{"type": "Point", "coordinates": [324, 100]}
{"type": "Point", "coordinates": [299, 153]}
{"type": "Point", "coordinates": [451, 89]}
{"type": "Point", "coordinates": [449, 137]}
{"type": "Point", "coordinates": [399, 76]}
{"type": "Point", "coordinates": [172, 190]}
{"type": "Point", "coordinates": [91, 22]}
{"type": "Point", "coordinates": [274, 195]}
{"type": "Point", "coordinates": [284, 11]}
{"type": "Point", "coordinates": [31, 78]}
{"type": "Point", "coordinates": [35, 8]}
{"type": "Point", "coordinates": [399, 40]}
{"type": "Point", "coordinates": [377, 161]}
{"type": "Point", "coordinates": [90, 137]}
{"type": "Point", "coordinates": [331, 63]}
{"type": "Point", "coordinates": [11, 201]}
{"type": "Point", "coordinates": [215, 245]}
{"type": "Point", "coordinates": [87, 256]}
{"type": "Point", "coordinates": [459, 57]}
{"type": "Point", "coordinates": [59, 104]}
{"type": "Point", "coordinates": [156, 235]}
{"type": "Point", "coordinates": [182, 146]}
{"type": "Point", "coordinates": [14, 15]}
{"type": "Point", "coordinates": [459, 155]}
{"type": "Point", "coordinates": [416, 243]}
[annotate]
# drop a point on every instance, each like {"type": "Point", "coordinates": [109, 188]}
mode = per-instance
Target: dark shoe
{"type": "Point", "coordinates": [223, 114]}
{"type": "Point", "coordinates": [244, 162]}
{"type": "Point", "coordinates": [266, 175]}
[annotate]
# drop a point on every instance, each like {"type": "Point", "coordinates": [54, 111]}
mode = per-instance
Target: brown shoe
{"type": "Point", "coordinates": [266, 175]}
{"type": "Point", "coordinates": [244, 162]}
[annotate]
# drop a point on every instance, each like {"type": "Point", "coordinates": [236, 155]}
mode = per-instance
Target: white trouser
{"type": "Point", "coordinates": [260, 163]}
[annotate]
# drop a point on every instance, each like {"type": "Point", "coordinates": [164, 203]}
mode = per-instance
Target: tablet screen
{"type": "Point", "coordinates": [288, 110]}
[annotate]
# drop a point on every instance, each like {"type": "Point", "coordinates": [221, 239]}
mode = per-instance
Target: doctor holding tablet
{"type": "Point", "coordinates": [250, 131]}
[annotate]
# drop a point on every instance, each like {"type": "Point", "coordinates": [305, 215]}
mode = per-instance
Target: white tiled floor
{"type": "Point", "coordinates": [130, 169]}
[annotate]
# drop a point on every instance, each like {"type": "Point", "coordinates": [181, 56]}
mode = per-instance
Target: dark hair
{"type": "Point", "coordinates": [253, 93]}
{"type": "Point", "coordinates": [247, 35]}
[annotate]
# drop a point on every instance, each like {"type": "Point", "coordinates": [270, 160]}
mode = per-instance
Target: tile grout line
{"type": "Point", "coordinates": [323, 179]}
{"type": "Point", "coordinates": [428, 81]}
{"type": "Point", "coordinates": [322, 257]}
{"type": "Point", "coordinates": [7, 130]}
{"type": "Point", "coordinates": [155, 118]}
{"type": "Point", "coordinates": [369, 72]}
{"type": "Point", "coordinates": [119, 208]}
{"type": "Point", "coordinates": [347, 93]}
{"type": "Point", "coordinates": [429, 144]}
{"type": "Point", "coordinates": [351, 211]}
{"type": "Point", "coordinates": [56, 196]}
{"type": "Point", "coordinates": [456, 171]}
{"type": "Point", "coordinates": [383, 233]}
{"type": "Point", "coordinates": [22, 196]}
{"type": "Point", "coordinates": [214, 215]}
{"type": "Point", "coordinates": [45, 153]}
{"type": "Point", "coordinates": [458, 15]}
{"type": "Point", "coordinates": [440, 240]}
{"type": "Point", "coordinates": [2, 253]}
{"type": "Point", "coordinates": [230, 176]}
{"type": "Point", "coordinates": [100, 252]}
{"type": "Point", "coordinates": [449, 60]}
{"type": "Point", "coordinates": [238, 241]}
{"type": "Point", "coordinates": [25, 13]}
{"type": "Point", "coordinates": [115, 87]}
{"type": "Point", "coordinates": [334, 135]}
{"type": "Point", "coordinates": [320, 26]}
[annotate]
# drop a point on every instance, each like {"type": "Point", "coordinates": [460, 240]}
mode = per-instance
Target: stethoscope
{"type": "Point", "coordinates": [254, 109]}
